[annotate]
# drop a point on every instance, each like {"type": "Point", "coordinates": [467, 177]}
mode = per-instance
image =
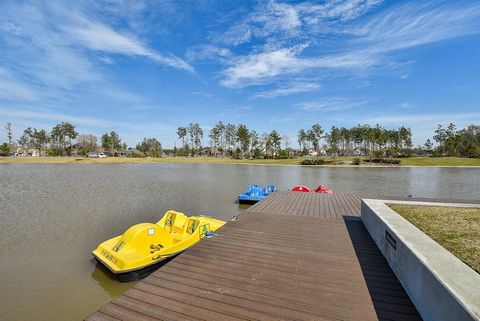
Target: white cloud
{"type": "Point", "coordinates": [57, 49]}
{"type": "Point", "coordinates": [366, 43]}
{"type": "Point", "coordinates": [291, 89]}
{"type": "Point", "coordinates": [207, 52]}
{"type": "Point", "coordinates": [120, 95]}
{"type": "Point", "coordinates": [286, 21]}
{"type": "Point", "coordinates": [257, 68]}
{"type": "Point", "coordinates": [53, 116]}
{"type": "Point", "coordinates": [342, 10]}
{"type": "Point", "coordinates": [330, 104]}
{"type": "Point", "coordinates": [202, 93]}
{"type": "Point", "coordinates": [12, 88]}
{"type": "Point", "coordinates": [97, 36]}
{"type": "Point", "coordinates": [419, 23]}
{"type": "Point", "coordinates": [269, 18]}
{"type": "Point", "coordinates": [263, 67]}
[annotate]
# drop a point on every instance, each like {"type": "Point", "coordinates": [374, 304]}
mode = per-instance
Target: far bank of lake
{"type": "Point", "coordinates": [338, 162]}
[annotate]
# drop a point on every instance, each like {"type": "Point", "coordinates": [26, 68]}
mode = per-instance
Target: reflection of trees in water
{"type": "Point", "coordinates": [108, 281]}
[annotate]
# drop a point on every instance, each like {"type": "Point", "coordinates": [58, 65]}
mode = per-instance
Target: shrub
{"type": "Point", "coordinates": [4, 150]}
{"type": "Point", "coordinates": [356, 161]}
{"type": "Point", "coordinates": [137, 154]}
{"type": "Point", "coordinates": [383, 161]}
{"type": "Point", "coordinates": [312, 162]}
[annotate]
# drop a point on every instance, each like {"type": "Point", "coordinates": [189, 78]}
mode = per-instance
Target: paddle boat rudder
{"type": "Point", "coordinates": [255, 193]}
{"type": "Point", "coordinates": [144, 247]}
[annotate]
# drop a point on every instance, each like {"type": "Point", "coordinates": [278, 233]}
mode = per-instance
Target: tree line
{"type": "Point", "coordinates": [455, 142]}
{"type": "Point", "coordinates": [239, 141]}
{"type": "Point", "coordinates": [64, 140]}
{"type": "Point", "coordinates": [230, 140]}
{"type": "Point", "coordinates": [358, 140]}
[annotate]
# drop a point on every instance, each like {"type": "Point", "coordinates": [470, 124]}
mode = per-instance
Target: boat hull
{"type": "Point", "coordinates": [248, 201]}
{"type": "Point", "coordinates": [135, 274]}
{"type": "Point", "coordinates": [143, 272]}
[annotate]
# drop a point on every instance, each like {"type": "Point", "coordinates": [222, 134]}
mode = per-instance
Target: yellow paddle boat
{"type": "Point", "coordinates": [145, 247]}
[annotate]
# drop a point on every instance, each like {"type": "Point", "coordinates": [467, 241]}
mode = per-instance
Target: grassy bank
{"type": "Point", "coordinates": [340, 161]}
{"type": "Point", "coordinates": [440, 161]}
{"type": "Point", "coordinates": [456, 229]}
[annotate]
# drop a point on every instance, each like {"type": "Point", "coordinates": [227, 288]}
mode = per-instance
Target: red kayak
{"type": "Point", "coordinates": [301, 188]}
{"type": "Point", "coordinates": [320, 189]}
{"type": "Point", "coordinates": [324, 189]}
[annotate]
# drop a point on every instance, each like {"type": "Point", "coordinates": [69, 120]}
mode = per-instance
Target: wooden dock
{"type": "Point", "coordinates": [293, 256]}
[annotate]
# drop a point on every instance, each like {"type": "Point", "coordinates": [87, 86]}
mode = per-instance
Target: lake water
{"type": "Point", "coordinates": [53, 216]}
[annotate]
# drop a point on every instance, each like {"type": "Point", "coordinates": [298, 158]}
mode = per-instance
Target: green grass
{"type": "Point", "coordinates": [456, 229]}
{"type": "Point", "coordinates": [440, 161]}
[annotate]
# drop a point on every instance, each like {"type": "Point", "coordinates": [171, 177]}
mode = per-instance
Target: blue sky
{"type": "Point", "coordinates": [143, 68]}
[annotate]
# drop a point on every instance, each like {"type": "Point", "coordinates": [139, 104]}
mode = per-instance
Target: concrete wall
{"type": "Point", "coordinates": [440, 285]}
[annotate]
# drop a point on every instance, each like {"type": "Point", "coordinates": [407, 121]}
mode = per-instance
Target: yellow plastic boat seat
{"type": "Point", "coordinates": [173, 222]}
{"type": "Point", "coordinates": [192, 225]}
{"type": "Point", "coordinates": [143, 238]}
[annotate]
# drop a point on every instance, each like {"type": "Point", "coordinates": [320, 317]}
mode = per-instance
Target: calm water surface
{"type": "Point", "coordinates": [52, 216]}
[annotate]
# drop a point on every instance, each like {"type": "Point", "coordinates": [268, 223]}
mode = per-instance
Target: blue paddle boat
{"type": "Point", "coordinates": [255, 193]}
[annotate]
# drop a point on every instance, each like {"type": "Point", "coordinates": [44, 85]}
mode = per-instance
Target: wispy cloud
{"type": "Point", "coordinates": [291, 89]}
{"type": "Point", "coordinates": [207, 52]}
{"type": "Point", "coordinates": [53, 116]}
{"type": "Point", "coordinates": [57, 49]}
{"type": "Point", "coordinates": [330, 104]}
{"type": "Point", "coordinates": [331, 10]}
{"type": "Point", "coordinates": [267, 66]}
{"type": "Point", "coordinates": [268, 19]}
{"type": "Point", "coordinates": [202, 93]}
{"type": "Point", "coordinates": [100, 37]}
{"type": "Point", "coordinates": [287, 30]}
{"type": "Point", "coordinates": [256, 68]}
{"type": "Point", "coordinates": [14, 89]}
{"type": "Point", "coordinates": [419, 23]}
{"type": "Point", "coordinates": [284, 21]}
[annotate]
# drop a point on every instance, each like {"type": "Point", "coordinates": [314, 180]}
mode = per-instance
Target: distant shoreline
{"type": "Point", "coordinates": [444, 162]}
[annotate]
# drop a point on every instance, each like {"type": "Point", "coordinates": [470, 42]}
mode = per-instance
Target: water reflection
{"type": "Point", "coordinates": [105, 279]}
{"type": "Point", "coordinates": [243, 206]}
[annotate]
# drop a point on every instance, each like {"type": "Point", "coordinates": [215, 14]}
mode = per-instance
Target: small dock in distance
{"type": "Point", "coordinates": [293, 256]}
